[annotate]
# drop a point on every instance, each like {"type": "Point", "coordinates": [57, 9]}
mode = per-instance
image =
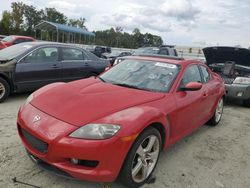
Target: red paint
{"type": "Point", "coordinates": [10, 43]}
{"type": "Point", "coordinates": [63, 108]}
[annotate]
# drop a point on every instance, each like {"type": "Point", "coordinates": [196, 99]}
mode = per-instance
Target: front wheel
{"type": "Point", "coordinates": [4, 89]}
{"type": "Point", "coordinates": [218, 113]}
{"type": "Point", "coordinates": [142, 158]}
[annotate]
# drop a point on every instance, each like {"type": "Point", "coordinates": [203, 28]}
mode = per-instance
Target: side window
{"type": "Point", "coordinates": [47, 54]}
{"type": "Point", "coordinates": [17, 41]}
{"type": "Point", "coordinates": [72, 54]}
{"type": "Point", "coordinates": [205, 73]}
{"type": "Point", "coordinates": [192, 74]}
{"type": "Point", "coordinates": [164, 51]}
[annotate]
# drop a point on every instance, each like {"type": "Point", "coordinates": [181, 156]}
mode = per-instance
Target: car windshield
{"type": "Point", "coordinates": [8, 39]}
{"type": "Point", "coordinates": [141, 74]}
{"type": "Point", "coordinates": [150, 50]}
{"type": "Point", "coordinates": [14, 51]}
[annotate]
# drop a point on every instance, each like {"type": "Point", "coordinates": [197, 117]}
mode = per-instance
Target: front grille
{"type": "Point", "coordinates": [35, 142]}
{"type": "Point", "coordinates": [228, 80]}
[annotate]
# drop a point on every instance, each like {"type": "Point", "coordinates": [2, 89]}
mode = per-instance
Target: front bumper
{"type": "Point", "coordinates": [109, 153]}
{"type": "Point", "coordinates": [238, 91]}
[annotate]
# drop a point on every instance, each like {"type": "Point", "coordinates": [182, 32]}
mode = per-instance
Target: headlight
{"type": "Point", "coordinates": [29, 99]}
{"type": "Point", "coordinates": [96, 131]}
{"type": "Point", "coordinates": [242, 80]}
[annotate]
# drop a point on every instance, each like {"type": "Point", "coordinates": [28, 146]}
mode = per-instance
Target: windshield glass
{"type": "Point", "coordinates": [8, 39]}
{"type": "Point", "coordinates": [13, 51]}
{"type": "Point", "coordinates": [146, 51]}
{"type": "Point", "coordinates": [141, 74]}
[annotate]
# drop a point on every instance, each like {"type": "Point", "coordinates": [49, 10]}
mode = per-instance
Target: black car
{"type": "Point", "coordinates": [99, 50]}
{"type": "Point", "coordinates": [115, 54]}
{"type": "Point", "coordinates": [160, 50]}
{"type": "Point", "coordinates": [29, 66]}
{"type": "Point", "coordinates": [163, 50]}
{"type": "Point", "coordinates": [233, 64]}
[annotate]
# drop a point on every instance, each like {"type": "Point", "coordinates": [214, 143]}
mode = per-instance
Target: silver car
{"type": "Point", "coordinates": [233, 64]}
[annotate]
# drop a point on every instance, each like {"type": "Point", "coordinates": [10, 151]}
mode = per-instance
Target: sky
{"type": "Point", "coordinates": [180, 22]}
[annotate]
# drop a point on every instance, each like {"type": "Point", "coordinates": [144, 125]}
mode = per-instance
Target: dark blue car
{"type": "Point", "coordinates": [29, 66]}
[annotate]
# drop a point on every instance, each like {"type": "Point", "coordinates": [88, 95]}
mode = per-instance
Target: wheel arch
{"type": "Point", "coordinates": [6, 78]}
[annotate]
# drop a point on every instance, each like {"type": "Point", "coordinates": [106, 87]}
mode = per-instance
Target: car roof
{"type": "Point", "coordinates": [20, 36]}
{"type": "Point", "coordinates": [45, 43]}
{"type": "Point", "coordinates": [164, 58]}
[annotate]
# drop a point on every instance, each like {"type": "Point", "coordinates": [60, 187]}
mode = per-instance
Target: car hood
{"type": "Point", "coordinates": [240, 56]}
{"type": "Point", "coordinates": [81, 102]}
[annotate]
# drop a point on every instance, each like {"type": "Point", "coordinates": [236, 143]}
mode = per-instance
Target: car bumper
{"type": "Point", "coordinates": [107, 155]}
{"type": "Point", "coordinates": [238, 91]}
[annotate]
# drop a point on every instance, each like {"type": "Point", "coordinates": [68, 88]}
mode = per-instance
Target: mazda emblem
{"type": "Point", "coordinates": [36, 118]}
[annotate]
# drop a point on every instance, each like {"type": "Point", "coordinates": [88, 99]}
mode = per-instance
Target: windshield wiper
{"type": "Point", "coordinates": [101, 79]}
{"type": "Point", "coordinates": [127, 85]}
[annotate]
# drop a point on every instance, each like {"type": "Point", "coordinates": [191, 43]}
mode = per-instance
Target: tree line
{"type": "Point", "coordinates": [22, 19]}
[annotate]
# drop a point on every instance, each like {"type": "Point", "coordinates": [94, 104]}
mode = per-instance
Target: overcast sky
{"type": "Point", "coordinates": [181, 22]}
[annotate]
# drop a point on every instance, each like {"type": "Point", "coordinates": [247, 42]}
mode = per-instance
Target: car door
{"type": "Point", "coordinates": [189, 104]}
{"type": "Point", "coordinates": [38, 68]}
{"type": "Point", "coordinates": [210, 91]}
{"type": "Point", "coordinates": [75, 64]}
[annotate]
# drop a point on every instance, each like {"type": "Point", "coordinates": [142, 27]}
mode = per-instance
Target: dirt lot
{"type": "Point", "coordinates": [210, 157]}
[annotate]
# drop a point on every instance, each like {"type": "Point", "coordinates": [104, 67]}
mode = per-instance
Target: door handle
{"type": "Point", "coordinates": [55, 66]}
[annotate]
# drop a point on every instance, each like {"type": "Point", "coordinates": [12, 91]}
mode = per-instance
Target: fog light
{"type": "Point", "coordinates": [74, 161]}
{"type": "Point", "coordinates": [240, 94]}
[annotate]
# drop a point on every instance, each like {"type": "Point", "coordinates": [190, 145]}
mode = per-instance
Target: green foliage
{"type": "Point", "coordinates": [23, 18]}
{"type": "Point", "coordinates": [190, 50]}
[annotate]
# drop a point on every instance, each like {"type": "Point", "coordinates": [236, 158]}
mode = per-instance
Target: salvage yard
{"type": "Point", "coordinates": [210, 157]}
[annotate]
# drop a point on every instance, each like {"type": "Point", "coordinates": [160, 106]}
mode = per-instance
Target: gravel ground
{"type": "Point", "coordinates": [210, 157]}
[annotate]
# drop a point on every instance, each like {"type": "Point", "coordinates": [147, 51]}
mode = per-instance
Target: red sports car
{"type": "Point", "coordinates": [116, 125]}
{"type": "Point", "coordinates": [14, 39]}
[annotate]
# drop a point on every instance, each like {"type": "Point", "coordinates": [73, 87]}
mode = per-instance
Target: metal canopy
{"type": "Point", "coordinates": [50, 26]}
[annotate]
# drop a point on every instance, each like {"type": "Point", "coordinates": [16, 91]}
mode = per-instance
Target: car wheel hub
{"type": "Point", "coordinates": [219, 110]}
{"type": "Point", "coordinates": [2, 90]}
{"type": "Point", "coordinates": [145, 158]}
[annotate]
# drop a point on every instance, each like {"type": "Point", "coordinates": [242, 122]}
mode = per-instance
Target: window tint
{"type": "Point", "coordinates": [164, 52]}
{"type": "Point", "coordinates": [72, 54]}
{"type": "Point", "coordinates": [192, 74]}
{"type": "Point", "coordinates": [48, 54]}
{"type": "Point", "coordinates": [205, 73]}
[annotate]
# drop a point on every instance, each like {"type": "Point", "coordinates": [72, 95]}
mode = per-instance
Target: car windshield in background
{"type": "Point", "coordinates": [13, 51]}
{"type": "Point", "coordinates": [8, 39]}
{"type": "Point", "coordinates": [149, 50]}
{"type": "Point", "coordinates": [144, 75]}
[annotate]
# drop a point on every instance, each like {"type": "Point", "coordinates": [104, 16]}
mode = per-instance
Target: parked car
{"type": "Point", "coordinates": [99, 50]}
{"type": "Point", "coordinates": [115, 125]}
{"type": "Point", "coordinates": [14, 39]}
{"type": "Point", "coordinates": [233, 64]}
{"type": "Point", "coordinates": [164, 50]}
{"type": "Point", "coordinates": [2, 36]}
{"type": "Point", "coordinates": [29, 66]}
{"type": "Point", "coordinates": [115, 54]}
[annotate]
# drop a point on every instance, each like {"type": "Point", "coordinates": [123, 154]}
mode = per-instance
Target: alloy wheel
{"type": "Point", "coordinates": [2, 90]}
{"type": "Point", "coordinates": [219, 110]}
{"type": "Point", "coordinates": [145, 158]}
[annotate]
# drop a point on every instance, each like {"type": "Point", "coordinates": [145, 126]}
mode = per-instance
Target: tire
{"type": "Point", "coordinates": [140, 159]}
{"type": "Point", "coordinates": [217, 114]}
{"type": "Point", "coordinates": [4, 89]}
{"type": "Point", "coordinates": [246, 103]}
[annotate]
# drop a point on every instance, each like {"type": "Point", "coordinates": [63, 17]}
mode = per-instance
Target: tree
{"type": "Point", "coordinates": [80, 23]}
{"type": "Point", "coordinates": [17, 16]}
{"type": "Point", "coordinates": [6, 23]}
{"type": "Point", "coordinates": [52, 15]}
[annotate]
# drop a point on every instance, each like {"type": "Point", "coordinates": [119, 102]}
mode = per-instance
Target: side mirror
{"type": "Point", "coordinates": [192, 86]}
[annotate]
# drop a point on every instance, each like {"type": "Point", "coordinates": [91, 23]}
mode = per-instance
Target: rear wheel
{"type": "Point", "coordinates": [4, 89]}
{"type": "Point", "coordinates": [217, 114]}
{"type": "Point", "coordinates": [142, 158]}
{"type": "Point", "coordinates": [246, 103]}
